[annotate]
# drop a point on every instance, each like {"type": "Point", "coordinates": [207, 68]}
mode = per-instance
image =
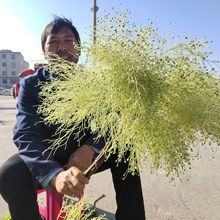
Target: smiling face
{"type": "Point", "coordinates": [64, 44]}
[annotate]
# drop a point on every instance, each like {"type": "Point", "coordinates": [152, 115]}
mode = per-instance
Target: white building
{"type": "Point", "coordinates": [11, 64]}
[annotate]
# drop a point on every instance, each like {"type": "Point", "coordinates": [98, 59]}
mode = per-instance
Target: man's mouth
{"type": "Point", "coordinates": [65, 56]}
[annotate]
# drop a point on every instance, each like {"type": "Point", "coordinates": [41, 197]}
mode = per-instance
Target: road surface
{"type": "Point", "coordinates": [197, 197]}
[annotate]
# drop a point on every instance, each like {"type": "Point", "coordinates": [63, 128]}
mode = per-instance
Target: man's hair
{"type": "Point", "coordinates": [55, 26]}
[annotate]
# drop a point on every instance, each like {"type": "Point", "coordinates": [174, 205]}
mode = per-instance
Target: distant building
{"type": "Point", "coordinates": [11, 64]}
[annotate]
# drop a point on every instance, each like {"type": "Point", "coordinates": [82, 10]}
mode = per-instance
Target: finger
{"type": "Point", "coordinates": [79, 175]}
{"type": "Point", "coordinates": [72, 191]}
{"type": "Point", "coordinates": [67, 190]}
{"type": "Point", "coordinates": [79, 166]}
{"type": "Point", "coordinates": [77, 184]}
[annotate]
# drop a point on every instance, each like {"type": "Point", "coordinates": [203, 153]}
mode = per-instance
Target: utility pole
{"type": "Point", "coordinates": [94, 9]}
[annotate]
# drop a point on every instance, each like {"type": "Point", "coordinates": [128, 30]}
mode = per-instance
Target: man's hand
{"type": "Point", "coordinates": [81, 158]}
{"type": "Point", "coordinates": [70, 182]}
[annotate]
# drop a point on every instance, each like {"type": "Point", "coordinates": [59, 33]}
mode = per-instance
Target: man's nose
{"type": "Point", "coordinates": [62, 47]}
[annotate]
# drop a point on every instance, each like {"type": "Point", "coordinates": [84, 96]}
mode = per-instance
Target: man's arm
{"type": "Point", "coordinates": [28, 137]}
{"type": "Point", "coordinates": [83, 157]}
{"type": "Point", "coordinates": [28, 132]}
{"type": "Point", "coordinates": [96, 145]}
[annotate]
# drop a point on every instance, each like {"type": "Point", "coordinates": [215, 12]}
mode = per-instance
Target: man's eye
{"type": "Point", "coordinates": [52, 42]}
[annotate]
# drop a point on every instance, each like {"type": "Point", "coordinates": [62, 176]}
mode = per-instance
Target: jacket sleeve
{"type": "Point", "coordinates": [28, 133]}
{"type": "Point", "coordinates": [97, 145]}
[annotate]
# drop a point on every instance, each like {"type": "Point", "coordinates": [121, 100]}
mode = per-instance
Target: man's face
{"type": "Point", "coordinates": [64, 44]}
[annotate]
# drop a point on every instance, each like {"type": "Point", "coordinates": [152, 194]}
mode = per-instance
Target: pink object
{"type": "Point", "coordinates": [53, 204]}
{"type": "Point", "coordinates": [80, 195]}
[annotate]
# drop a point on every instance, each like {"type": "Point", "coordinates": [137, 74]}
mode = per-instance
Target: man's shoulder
{"type": "Point", "coordinates": [35, 78]}
{"type": "Point", "coordinates": [30, 85]}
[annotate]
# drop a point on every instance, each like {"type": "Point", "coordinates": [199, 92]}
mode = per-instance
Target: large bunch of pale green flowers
{"type": "Point", "coordinates": [144, 95]}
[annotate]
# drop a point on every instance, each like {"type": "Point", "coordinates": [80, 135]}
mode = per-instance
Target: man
{"type": "Point", "coordinates": [30, 169]}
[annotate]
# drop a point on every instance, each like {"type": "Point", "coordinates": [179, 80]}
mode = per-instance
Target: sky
{"type": "Point", "coordinates": [22, 21]}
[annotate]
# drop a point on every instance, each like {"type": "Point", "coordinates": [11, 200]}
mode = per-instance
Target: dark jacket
{"type": "Point", "coordinates": [31, 135]}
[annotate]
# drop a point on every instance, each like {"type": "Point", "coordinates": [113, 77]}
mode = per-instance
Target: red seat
{"type": "Point", "coordinates": [53, 204]}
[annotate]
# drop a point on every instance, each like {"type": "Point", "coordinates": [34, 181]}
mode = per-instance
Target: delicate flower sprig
{"type": "Point", "coordinates": [155, 101]}
{"type": "Point", "coordinates": [78, 210]}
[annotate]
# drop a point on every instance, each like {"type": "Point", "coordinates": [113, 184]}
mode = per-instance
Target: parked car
{"type": "Point", "coordinates": [2, 88]}
{"type": "Point", "coordinates": [5, 92]}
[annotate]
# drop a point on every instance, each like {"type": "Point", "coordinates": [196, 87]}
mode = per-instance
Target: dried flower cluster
{"type": "Point", "coordinates": [78, 210]}
{"type": "Point", "coordinates": [154, 100]}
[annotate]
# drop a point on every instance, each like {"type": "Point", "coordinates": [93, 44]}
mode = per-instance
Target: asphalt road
{"type": "Point", "coordinates": [196, 197]}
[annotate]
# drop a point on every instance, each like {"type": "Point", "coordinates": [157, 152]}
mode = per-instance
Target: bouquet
{"type": "Point", "coordinates": [145, 96]}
